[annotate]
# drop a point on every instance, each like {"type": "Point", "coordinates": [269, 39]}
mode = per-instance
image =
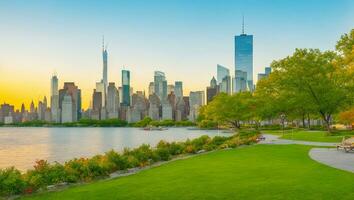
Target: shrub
{"type": "Point", "coordinates": [11, 182]}
{"type": "Point", "coordinates": [208, 124]}
{"type": "Point", "coordinates": [45, 174]}
{"type": "Point", "coordinates": [119, 162]}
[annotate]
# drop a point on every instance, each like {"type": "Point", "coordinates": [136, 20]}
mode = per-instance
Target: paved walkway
{"type": "Point", "coordinates": [328, 156]}
{"type": "Point", "coordinates": [334, 158]}
{"type": "Point", "coordinates": [274, 139]}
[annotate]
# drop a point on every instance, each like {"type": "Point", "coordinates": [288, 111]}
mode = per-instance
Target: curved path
{"type": "Point", "coordinates": [334, 158]}
{"type": "Point", "coordinates": [274, 139]}
{"type": "Point", "coordinates": [328, 156]}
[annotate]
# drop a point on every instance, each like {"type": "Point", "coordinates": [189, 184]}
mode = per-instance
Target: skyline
{"type": "Point", "coordinates": [187, 39]}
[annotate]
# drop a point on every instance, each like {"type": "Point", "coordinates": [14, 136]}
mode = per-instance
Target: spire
{"type": "Point", "coordinates": [103, 43]}
{"type": "Point", "coordinates": [243, 24]}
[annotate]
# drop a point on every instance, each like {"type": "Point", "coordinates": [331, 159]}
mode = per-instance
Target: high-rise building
{"type": "Point", "coordinates": [125, 88]}
{"type": "Point", "coordinates": [222, 72]}
{"type": "Point", "coordinates": [160, 85]}
{"type": "Point", "coordinates": [54, 99]}
{"type": "Point", "coordinates": [151, 88]}
{"type": "Point", "coordinates": [211, 90]}
{"type": "Point", "coordinates": [112, 101]}
{"type": "Point", "coordinates": [154, 107]}
{"type": "Point", "coordinates": [178, 89]}
{"type": "Point", "coordinates": [196, 100]}
{"type": "Point", "coordinates": [170, 89]}
{"type": "Point", "coordinates": [240, 81]}
{"type": "Point", "coordinates": [105, 66]}
{"type": "Point", "coordinates": [267, 70]}
{"type": "Point", "coordinates": [244, 56]}
{"type": "Point", "coordinates": [71, 89]}
{"type": "Point", "coordinates": [67, 114]}
{"type": "Point", "coordinates": [213, 83]}
{"type": "Point", "coordinates": [96, 105]}
{"type": "Point", "coordinates": [225, 85]}
{"type": "Point", "coordinates": [100, 87]}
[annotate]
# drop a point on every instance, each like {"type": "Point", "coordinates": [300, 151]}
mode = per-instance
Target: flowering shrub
{"type": "Point", "coordinates": [44, 174]}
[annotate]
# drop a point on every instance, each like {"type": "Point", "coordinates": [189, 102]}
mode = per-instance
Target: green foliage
{"type": "Point", "coordinates": [89, 169]}
{"type": "Point", "coordinates": [147, 121]}
{"type": "Point", "coordinates": [207, 124]}
{"type": "Point", "coordinates": [266, 172]}
{"type": "Point", "coordinates": [230, 109]}
{"type": "Point", "coordinates": [11, 182]}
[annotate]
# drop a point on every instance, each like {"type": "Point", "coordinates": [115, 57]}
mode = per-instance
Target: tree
{"type": "Point", "coordinates": [229, 109]}
{"type": "Point", "coordinates": [314, 76]}
{"type": "Point", "coordinates": [347, 117]}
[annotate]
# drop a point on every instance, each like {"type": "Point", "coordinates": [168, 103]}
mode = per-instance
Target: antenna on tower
{"type": "Point", "coordinates": [103, 42]}
{"type": "Point", "coordinates": [243, 24]}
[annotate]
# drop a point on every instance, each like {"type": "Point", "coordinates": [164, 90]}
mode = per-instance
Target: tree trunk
{"type": "Point", "coordinates": [308, 121]}
{"type": "Point", "coordinates": [303, 120]}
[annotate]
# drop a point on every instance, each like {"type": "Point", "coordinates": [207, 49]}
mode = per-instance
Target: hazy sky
{"type": "Point", "coordinates": [185, 39]}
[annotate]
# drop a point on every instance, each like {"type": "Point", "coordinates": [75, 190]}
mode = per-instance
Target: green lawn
{"type": "Point", "coordinates": [254, 172]}
{"type": "Point", "coordinates": [315, 136]}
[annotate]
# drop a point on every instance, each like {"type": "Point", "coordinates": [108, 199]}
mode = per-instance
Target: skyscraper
{"type": "Point", "coordinates": [240, 81]}
{"type": "Point", "coordinates": [211, 90]}
{"type": "Point", "coordinates": [100, 87]}
{"type": "Point", "coordinates": [54, 99]}
{"type": "Point", "coordinates": [244, 56]}
{"type": "Point", "coordinates": [221, 73]}
{"type": "Point", "coordinates": [105, 62]}
{"type": "Point", "coordinates": [151, 88]}
{"type": "Point", "coordinates": [125, 87]}
{"type": "Point", "coordinates": [178, 89]}
{"type": "Point", "coordinates": [71, 89]}
{"type": "Point", "coordinates": [112, 101]}
{"type": "Point", "coordinates": [196, 100]}
{"type": "Point", "coordinates": [160, 85]}
{"type": "Point", "coordinates": [67, 109]}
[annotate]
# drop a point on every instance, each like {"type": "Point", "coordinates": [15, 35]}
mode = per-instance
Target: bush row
{"type": "Point", "coordinates": [12, 181]}
{"type": "Point", "coordinates": [147, 121]}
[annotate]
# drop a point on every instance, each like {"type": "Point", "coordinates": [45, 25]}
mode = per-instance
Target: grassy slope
{"type": "Point", "coordinates": [315, 136]}
{"type": "Point", "coordinates": [255, 172]}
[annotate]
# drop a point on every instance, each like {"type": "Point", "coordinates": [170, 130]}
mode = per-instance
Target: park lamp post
{"type": "Point", "coordinates": [282, 118]}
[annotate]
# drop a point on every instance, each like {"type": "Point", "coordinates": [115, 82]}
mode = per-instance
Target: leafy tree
{"type": "Point", "coordinates": [230, 110]}
{"type": "Point", "coordinates": [313, 78]}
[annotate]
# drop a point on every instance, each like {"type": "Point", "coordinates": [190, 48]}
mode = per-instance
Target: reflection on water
{"type": "Point", "coordinates": [20, 147]}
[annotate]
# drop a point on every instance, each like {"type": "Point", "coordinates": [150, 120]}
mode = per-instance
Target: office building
{"type": "Point", "coordinates": [179, 89]}
{"type": "Point", "coordinates": [244, 57]}
{"type": "Point", "coordinates": [160, 85]}
{"type": "Point", "coordinates": [112, 101]}
{"type": "Point", "coordinates": [125, 88]}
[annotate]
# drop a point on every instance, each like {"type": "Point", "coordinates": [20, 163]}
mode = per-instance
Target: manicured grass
{"type": "Point", "coordinates": [253, 172]}
{"type": "Point", "coordinates": [315, 136]}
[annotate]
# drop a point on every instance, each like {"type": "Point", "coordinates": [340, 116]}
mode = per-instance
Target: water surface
{"type": "Point", "coordinates": [21, 146]}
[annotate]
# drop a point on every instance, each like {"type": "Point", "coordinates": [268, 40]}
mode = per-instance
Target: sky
{"type": "Point", "coordinates": [186, 39]}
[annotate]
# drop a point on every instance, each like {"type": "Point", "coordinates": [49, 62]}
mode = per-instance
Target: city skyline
{"type": "Point", "coordinates": [30, 55]}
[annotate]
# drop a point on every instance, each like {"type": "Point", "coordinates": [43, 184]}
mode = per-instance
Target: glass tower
{"type": "Point", "coordinates": [244, 57]}
{"type": "Point", "coordinates": [222, 72]}
{"type": "Point", "coordinates": [125, 87]}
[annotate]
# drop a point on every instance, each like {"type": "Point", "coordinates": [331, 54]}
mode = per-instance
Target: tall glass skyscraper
{"type": "Point", "coordinates": [244, 57]}
{"type": "Point", "coordinates": [178, 89]}
{"type": "Point", "coordinates": [125, 87]}
{"type": "Point", "coordinates": [222, 72]}
{"type": "Point", "coordinates": [160, 85]}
